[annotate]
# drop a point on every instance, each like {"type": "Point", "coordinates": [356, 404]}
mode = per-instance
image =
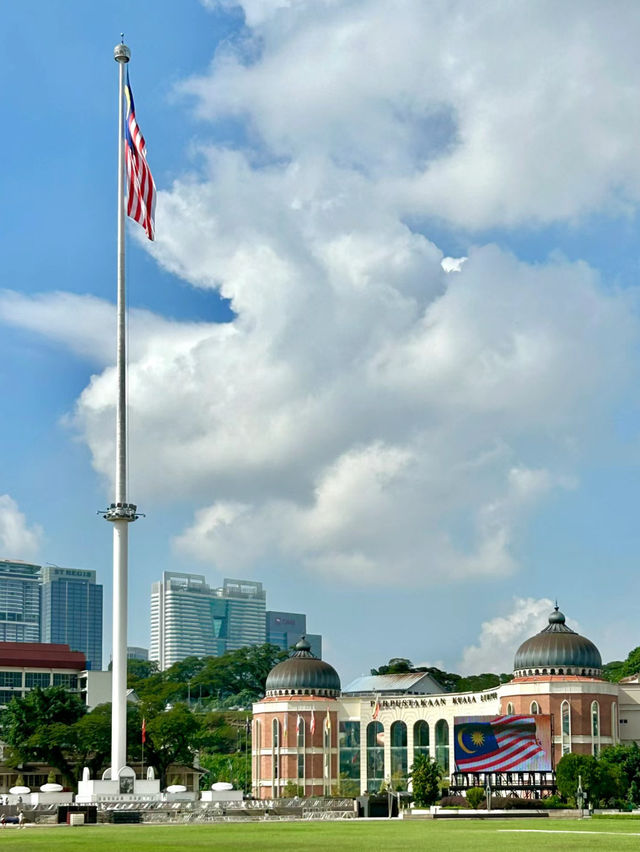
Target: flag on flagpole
{"type": "Point", "coordinates": [298, 720]}
{"type": "Point", "coordinates": [376, 709]}
{"type": "Point", "coordinates": [144, 731]}
{"type": "Point", "coordinates": [285, 726]}
{"type": "Point", "coordinates": [312, 723]}
{"type": "Point", "coordinates": [327, 722]}
{"type": "Point", "coordinates": [141, 190]}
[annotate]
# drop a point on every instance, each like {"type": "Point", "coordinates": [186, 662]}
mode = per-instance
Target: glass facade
{"type": "Point", "coordinates": [19, 602]}
{"type": "Point", "coordinates": [71, 604]}
{"type": "Point", "coordinates": [565, 712]}
{"type": "Point", "coordinates": [375, 756]}
{"type": "Point", "coordinates": [442, 744]}
{"type": "Point", "coordinates": [189, 618]}
{"type": "Point", "coordinates": [41, 679]}
{"type": "Point", "coordinates": [349, 742]}
{"type": "Point", "coordinates": [399, 767]}
{"type": "Point", "coordinates": [595, 728]}
{"type": "Point", "coordinates": [421, 738]}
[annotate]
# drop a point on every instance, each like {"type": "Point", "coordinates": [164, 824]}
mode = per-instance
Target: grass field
{"type": "Point", "coordinates": [352, 835]}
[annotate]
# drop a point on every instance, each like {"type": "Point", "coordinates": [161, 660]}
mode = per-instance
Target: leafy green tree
{"type": "Point", "coordinates": [625, 759]}
{"type": "Point", "coordinates": [600, 779]}
{"type": "Point", "coordinates": [172, 737]}
{"type": "Point", "coordinates": [234, 768]}
{"type": "Point", "coordinates": [426, 774]}
{"type": "Point", "coordinates": [41, 727]}
{"type": "Point", "coordinates": [93, 739]}
{"type": "Point", "coordinates": [396, 665]}
{"type": "Point", "coordinates": [291, 790]}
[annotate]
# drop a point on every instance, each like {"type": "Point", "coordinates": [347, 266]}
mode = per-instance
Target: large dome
{"type": "Point", "coordinates": [557, 650]}
{"type": "Point", "coordinates": [303, 674]}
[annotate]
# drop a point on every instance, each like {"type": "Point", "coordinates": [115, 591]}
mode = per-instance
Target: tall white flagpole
{"type": "Point", "coordinates": [121, 513]}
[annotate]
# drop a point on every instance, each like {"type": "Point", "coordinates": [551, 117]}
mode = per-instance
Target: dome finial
{"type": "Point", "coordinates": [303, 645]}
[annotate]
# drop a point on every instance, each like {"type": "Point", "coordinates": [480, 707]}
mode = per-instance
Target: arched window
{"type": "Point", "coordinates": [349, 741]}
{"type": "Point", "coordinates": [421, 738]}
{"type": "Point", "coordinates": [442, 744]}
{"type": "Point", "coordinates": [256, 743]}
{"type": "Point", "coordinates": [565, 713]}
{"type": "Point", "coordinates": [326, 755]}
{"type": "Point", "coordinates": [275, 753]}
{"type": "Point", "coordinates": [595, 728]}
{"type": "Point", "coordinates": [614, 723]}
{"type": "Point", "coordinates": [535, 708]}
{"type": "Point", "coordinates": [399, 768]}
{"type": "Point", "coordinates": [300, 737]}
{"type": "Point", "coordinates": [375, 756]}
{"type": "Point", "coordinates": [509, 709]}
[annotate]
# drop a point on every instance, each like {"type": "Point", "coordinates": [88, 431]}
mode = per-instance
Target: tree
{"type": "Point", "coordinates": [425, 774]}
{"type": "Point", "coordinates": [172, 737]}
{"type": "Point", "coordinates": [600, 778]}
{"type": "Point", "coordinates": [234, 768]}
{"type": "Point", "coordinates": [41, 727]}
{"type": "Point", "coordinates": [396, 665]}
{"type": "Point", "coordinates": [625, 760]}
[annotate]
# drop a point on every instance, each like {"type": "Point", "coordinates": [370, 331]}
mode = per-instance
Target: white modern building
{"type": "Point", "coordinates": [190, 618]}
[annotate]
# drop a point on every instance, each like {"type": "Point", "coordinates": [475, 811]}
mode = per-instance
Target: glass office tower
{"type": "Point", "coordinates": [19, 601]}
{"type": "Point", "coordinates": [71, 607]}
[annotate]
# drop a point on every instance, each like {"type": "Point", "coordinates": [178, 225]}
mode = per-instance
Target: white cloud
{"type": "Point", "coordinates": [18, 540]}
{"type": "Point", "coordinates": [482, 114]}
{"type": "Point", "coordinates": [500, 637]}
{"type": "Point", "coordinates": [368, 413]}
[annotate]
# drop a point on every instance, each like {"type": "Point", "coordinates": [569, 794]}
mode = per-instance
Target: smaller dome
{"type": "Point", "coordinates": [303, 674]}
{"type": "Point", "coordinates": [557, 650]}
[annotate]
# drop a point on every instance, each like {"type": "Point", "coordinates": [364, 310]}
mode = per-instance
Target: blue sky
{"type": "Point", "coordinates": [419, 455]}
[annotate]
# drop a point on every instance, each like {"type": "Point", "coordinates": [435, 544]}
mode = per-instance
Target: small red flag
{"type": "Point", "coordinates": [144, 731]}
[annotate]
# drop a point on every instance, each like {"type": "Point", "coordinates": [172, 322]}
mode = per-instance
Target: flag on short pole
{"type": "Point", "coordinates": [144, 731]}
{"type": "Point", "coordinates": [312, 724]}
{"type": "Point", "coordinates": [141, 190]}
{"type": "Point", "coordinates": [298, 721]}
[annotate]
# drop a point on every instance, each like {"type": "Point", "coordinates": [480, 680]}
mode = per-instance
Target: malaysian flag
{"type": "Point", "coordinates": [312, 726]}
{"type": "Point", "coordinates": [141, 190]}
{"type": "Point", "coordinates": [496, 745]}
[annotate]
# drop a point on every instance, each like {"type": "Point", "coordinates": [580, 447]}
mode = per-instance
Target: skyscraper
{"type": "Point", "coordinates": [284, 629]}
{"type": "Point", "coordinates": [189, 618]}
{"type": "Point", "coordinates": [19, 601]}
{"type": "Point", "coordinates": [71, 611]}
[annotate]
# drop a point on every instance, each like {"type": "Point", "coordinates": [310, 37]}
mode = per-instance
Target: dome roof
{"type": "Point", "coordinates": [303, 674]}
{"type": "Point", "coordinates": [557, 647]}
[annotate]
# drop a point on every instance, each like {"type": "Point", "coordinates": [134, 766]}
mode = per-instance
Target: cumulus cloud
{"type": "Point", "coordinates": [374, 408]}
{"type": "Point", "coordinates": [18, 540]}
{"type": "Point", "coordinates": [482, 114]}
{"type": "Point", "coordinates": [501, 636]}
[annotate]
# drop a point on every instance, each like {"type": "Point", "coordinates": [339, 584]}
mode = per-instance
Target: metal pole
{"type": "Point", "coordinates": [120, 513]}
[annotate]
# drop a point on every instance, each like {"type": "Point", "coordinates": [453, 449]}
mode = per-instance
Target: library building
{"type": "Point", "coordinates": [311, 737]}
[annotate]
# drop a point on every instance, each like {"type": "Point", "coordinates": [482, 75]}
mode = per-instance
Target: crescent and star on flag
{"type": "Point", "coordinates": [475, 737]}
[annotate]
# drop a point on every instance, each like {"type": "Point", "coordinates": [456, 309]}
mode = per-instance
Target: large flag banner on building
{"type": "Point", "coordinates": [502, 743]}
{"type": "Point", "coordinates": [141, 190]}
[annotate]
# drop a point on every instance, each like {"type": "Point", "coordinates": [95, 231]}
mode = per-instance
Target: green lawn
{"type": "Point", "coordinates": [512, 835]}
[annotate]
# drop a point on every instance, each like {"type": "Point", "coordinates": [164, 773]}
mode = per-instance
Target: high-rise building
{"type": "Point", "coordinates": [136, 653]}
{"type": "Point", "coordinates": [246, 604]}
{"type": "Point", "coordinates": [189, 618]}
{"type": "Point", "coordinates": [284, 629]}
{"type": "Point", "coordinates": [71, 611]}
{"type": "Point", "coordinates": [19, 601]}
